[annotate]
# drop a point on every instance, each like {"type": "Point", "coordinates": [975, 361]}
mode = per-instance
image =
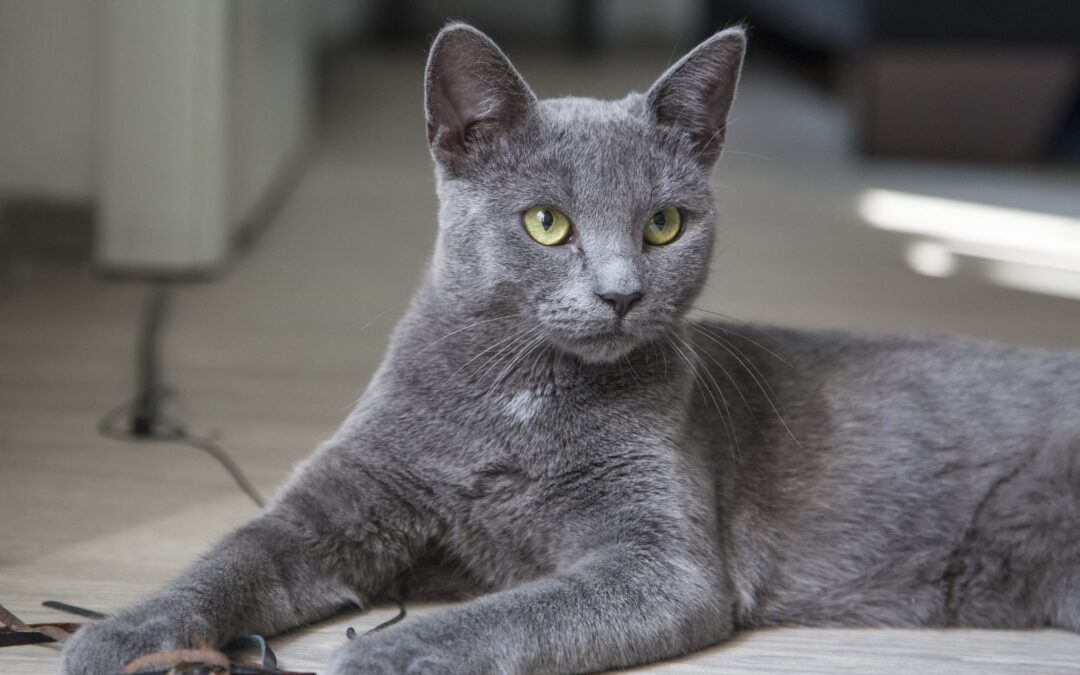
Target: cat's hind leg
{"type": "Point", "coordinates": [1019, 563]}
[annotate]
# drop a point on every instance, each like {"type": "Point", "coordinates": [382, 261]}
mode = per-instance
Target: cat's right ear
{"type": "Point", "coordinates": [472, 94]}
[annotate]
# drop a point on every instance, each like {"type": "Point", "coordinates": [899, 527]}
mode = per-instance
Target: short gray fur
{"type": "Point", "coordinates": [609, 492]}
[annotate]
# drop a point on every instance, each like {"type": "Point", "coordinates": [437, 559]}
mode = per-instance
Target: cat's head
{"type": "Point", "coordinates": [589, 221]}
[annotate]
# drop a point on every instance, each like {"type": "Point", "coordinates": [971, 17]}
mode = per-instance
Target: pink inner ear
{"type": "Point", "coordinates": [465, 94]}
{"type": "Point", "coordinates": [696, 93]}
{"type": "Point", "coordinates": [717, 104]}
{"type": "Point", "coordinates": [451, 110]}
{"type": "Point", "coordinates": [471, 84]}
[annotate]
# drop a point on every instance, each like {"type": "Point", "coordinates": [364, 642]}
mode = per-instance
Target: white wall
{"type": "Point", "coordinates": [270, 95]}
{"type": "Point", "coordinates": [163, 136]}
{"type": "Point", "coordinates": [48, 71]}
{"type": "Point", "coordinates": [174, 118]}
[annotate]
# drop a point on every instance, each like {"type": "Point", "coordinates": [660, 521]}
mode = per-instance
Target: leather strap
{"type": "Point", "coordinates": [202, 660]}
{"type": "Point", "coordinates": [14, 626]}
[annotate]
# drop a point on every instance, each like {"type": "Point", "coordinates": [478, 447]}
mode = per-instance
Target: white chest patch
{"type": "Point", "coordinates": [524, 405]}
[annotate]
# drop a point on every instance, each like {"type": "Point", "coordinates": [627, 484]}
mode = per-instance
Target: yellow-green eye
{"type": "Point", "coordinates": [663, 226]}
{"type": "Point", "coordinates": [546, 225]}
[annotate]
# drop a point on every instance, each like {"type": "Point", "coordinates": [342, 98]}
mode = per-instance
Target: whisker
{"type": "Point", "coordinates": [702, 388]}
{"type": "Point", "coordinates": [486, 350]}
{"type": "Point", "coordinates": [373, 320]}
{"type": "Point", "coordinates": [739, 354]}
{"type": "Point", "coordinates": [632, 371]}
{"type": "Point", "coordinates": [748, 154]}
{"type": "Point", "coordinates": [511, 350]}
{"type": "Point", "coordinates": [734, 382]}
{"type": "Point", "coordinates": [539, 355]}
{"type": "Point", "coordinates": [730, 428]}
{"type": "Point", "coordinates": [772, 404]}
{"type": "Point", "coordinates": [691, 366]}
{"type": "Point", "coordinates": [744, 337]}
{"type": "Point", "coordinates": [522, 354]}
{"type": "Point", "coordinates": [459, 330]}
{"type": "Point", "coordinates": [502, 353]}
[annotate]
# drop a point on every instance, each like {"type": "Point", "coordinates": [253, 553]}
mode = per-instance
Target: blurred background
{"type": "Point", "coordinates": [892, 165]}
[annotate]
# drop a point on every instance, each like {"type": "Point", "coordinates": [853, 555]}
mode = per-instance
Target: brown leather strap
{"type": "Point", "coordinates": [56, 633]}
{"type": "Point", "coordinates": [181, 659]}
{"type": "Point", "coordinates": [9, 619]}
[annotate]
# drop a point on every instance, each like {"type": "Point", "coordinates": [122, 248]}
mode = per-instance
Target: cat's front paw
{"type": "Point", "coordinates": [393, 653]}
{"type": "Point", "coordinates": [105, 647]}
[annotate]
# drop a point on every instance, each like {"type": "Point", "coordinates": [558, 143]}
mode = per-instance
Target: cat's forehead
{"type": "Point", "coordinates": [610, 146]}
{"type": "Point", "coordinates": [596, 124]}
{"type": "Point", "coordinates": [585, 110]}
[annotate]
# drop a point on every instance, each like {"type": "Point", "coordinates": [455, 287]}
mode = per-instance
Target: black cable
{"type": "Point", "coordinates": [73, 609]}
{"type": "Point", "coordinates": [142, 419]}
{"type": "Point", "coordinates": [148, 365]}
{"type": "Point", "coordinates": [169, 431]}
{"type": "Point", "coordinates": [350, 632]}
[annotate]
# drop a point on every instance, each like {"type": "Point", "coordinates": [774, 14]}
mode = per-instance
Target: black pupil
{"type": "Point", "coordinates": [547, 218]}
{"type": "Point", "coordinates": [659, 221]}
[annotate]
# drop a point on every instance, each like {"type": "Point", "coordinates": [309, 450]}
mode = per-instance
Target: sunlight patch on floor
{"type": "Point", "coordinates": [1026, 250]}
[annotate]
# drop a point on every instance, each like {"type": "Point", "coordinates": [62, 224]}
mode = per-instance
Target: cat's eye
{"type": "Point", "coordinates": [663, 226]}
{"type": "Point", "coordinates": [547, 226]}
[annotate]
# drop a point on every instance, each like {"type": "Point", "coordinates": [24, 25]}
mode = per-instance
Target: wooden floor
{"type": "Point", "coordinates": [272, 355]}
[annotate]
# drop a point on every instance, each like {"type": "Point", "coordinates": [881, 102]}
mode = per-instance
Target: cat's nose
{"type": "Point", "coordinates": [620, 302]}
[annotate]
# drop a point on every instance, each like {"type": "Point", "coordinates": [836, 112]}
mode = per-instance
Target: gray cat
{"type": "Point", "coordinates": [608, 483]}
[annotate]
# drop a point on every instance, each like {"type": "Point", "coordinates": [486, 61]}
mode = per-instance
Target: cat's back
{"type": "Point", "coordinates": [886, 446]}
{"type": "Point", "coordinates": [879, 398]}
{"type": "Point", "coordinates": [891, 369]}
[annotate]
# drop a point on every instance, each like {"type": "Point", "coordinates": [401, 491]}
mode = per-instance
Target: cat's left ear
{"type": "Point", "coordinates": [695, 94]}
{"type": "Point", "coordinates": [472, 93]}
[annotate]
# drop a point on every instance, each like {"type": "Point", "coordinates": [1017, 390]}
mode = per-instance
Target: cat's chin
{"type": "Point", "coordinates": [605, 348]}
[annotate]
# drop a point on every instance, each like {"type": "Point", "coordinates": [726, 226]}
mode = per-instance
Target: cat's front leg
{"type": "Point", "coordinates": [338, 535]}
{"type": "Point", "coordinates": [619, 607]}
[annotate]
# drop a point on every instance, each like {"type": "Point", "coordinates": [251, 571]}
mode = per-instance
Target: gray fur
{"type": "Point", "coordinates": [607, 498]}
